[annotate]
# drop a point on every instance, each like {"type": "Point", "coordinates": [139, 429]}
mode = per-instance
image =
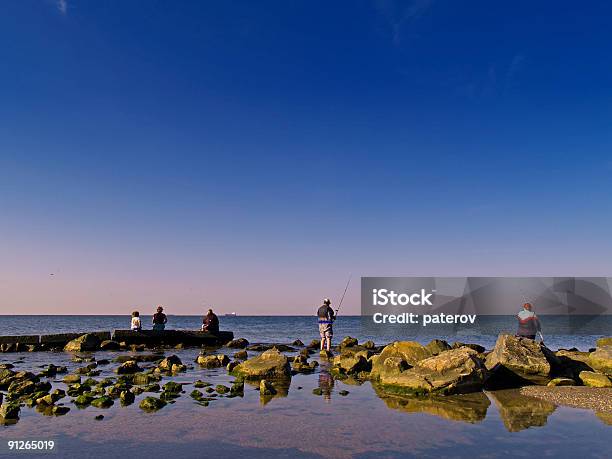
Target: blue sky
{"type": "Point", "coordinates": [250, 155]}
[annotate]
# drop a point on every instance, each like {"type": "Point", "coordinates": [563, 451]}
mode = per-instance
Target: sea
{"type": "Point", "coordinates": [316, 416]}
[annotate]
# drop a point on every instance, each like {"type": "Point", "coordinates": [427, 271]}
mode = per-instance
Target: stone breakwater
{"type": "Point", "coordinates": [408, 375]}
{"type": "Point", "coordinates": [148, 338]}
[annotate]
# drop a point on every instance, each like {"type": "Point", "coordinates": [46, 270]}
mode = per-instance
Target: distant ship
{"type": "Point", "coordinates": [231, 314]}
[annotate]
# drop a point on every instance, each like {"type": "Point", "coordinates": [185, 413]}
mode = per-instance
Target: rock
{"type": "Point", "coordinates": [152, 388]}
{"type": "Point", "coordinates": [317, 391]}
{"type": "Point", "coordinates": [151, 404]}
{"type": "Point", "coordinates": [348, 341]}
{"type": "Point", "coordinates": [72, 379]}
{"type": "Point", "coordinates": [139, 358]}
{"type": "Point", "coordinates": [297, 342]}
{"type": "Point", "coordinates": [9, 411]}
{"type": "Point", "coordinates": [221, 389]}
{"type": "Point", "coordinates": [102, 402]}
{"type": "Point", "coordinates": [369, 345]}
{"type": "Point", "coordinates": [521, 361]}
{"type": "Point", "coordinates": [142, 379]}
{"type": "Point", "coordinates": [602, 342]}
{"type": "Point", "coordinates": [456, 371]}
{"type": "Point", "coordinates": [601, 360]}
{"type": "Point", "coordinates": [351, 364]}
{"type": "Point", "coordinates": [241, 355]}
{"type": "Point", "coordinates": [19, 388]}
{"type": "Point", "coordinates": [178, 368]}
{"type": "Point", "coordinates": [561, 382]}
{"type": "Point", "coordinates": [99, 417]}
{"type": "Point", "coordinates": [267, 347]}
{"type": "Point", "coordinates": [128, 368]}
{"type": "Point", "coordinates": [109, 345]}
{"type": "Point", "coordinates": [239, 343]}
{"type": "Point", "coordinates": [84, 400]}
{"type": "Point", "coordinates": [572, 363]}
{"type": "Point", "coordinates": [270, 364]}
{"type": "Point", "coordinates": [127, 397]}
{"type": "Point", "coordinates": [315, 344]}
{"type": "Point", "coordinates": [592, 379]}
{"type": "Point", "coordinates": [237, 388]}
{"type": "Point", "coordinates": [344, 393]}
{"type": "Point", "coordinates": [436, 346]}
{"type": "Point", "coordinates": [173, 387]}
{"type": "Point", "coordinates": [138, 347]}
{"type": "Point", "coordinates": [167, 363]}
{"type": "Point", "coordinates": [196, 395]}
{"type": "Point", "coordinates": [230, 366]}
{"type": "Point", "coordinates": [477, 347]}
{"type": "Point", "coordinates": [326, 355]}
{"type": "Point", "coordinates": [266, 388]}
{"type": "Point", "coordinates": [84, 343]}
{"type": "Point", "coordinates": [212, 361]}
{"type": "Point", "coordinates": [60, 410]}
{"type": "Point", "coordinates": [201, 384]}
{"type": "Point", "coordinates": [397, 357]}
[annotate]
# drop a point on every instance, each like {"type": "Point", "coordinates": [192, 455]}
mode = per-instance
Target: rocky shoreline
{"type": "Point", "coordinates": [407, 375]}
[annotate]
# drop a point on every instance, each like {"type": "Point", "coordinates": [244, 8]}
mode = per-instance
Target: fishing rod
{"type": "Point", "coordinates": [345, 289]}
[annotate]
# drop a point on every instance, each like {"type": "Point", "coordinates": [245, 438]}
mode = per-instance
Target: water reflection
{"type": "Point", "coordinates": [519, 412]}
{"type": "Point", "coordinates": [471, 408]}
{"type": "Point", "coordinates": [326, 384]}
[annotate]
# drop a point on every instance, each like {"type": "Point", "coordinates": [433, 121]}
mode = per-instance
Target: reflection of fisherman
{"type": "Point", "coordinates": [326, 318]}
{"type": "Point", "coordinates": [528, 323]}
{"type": "Point", "coordinates": [326, 384]}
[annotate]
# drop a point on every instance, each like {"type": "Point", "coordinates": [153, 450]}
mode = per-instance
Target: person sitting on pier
{"type": "Point", "coordinates": [136, 324]}
{"type": "Point", "coordinates": [528, 323]}
{"type": "Point", "coordinates": [210, 323]}
{"type": "Point", "coordinates": [159, 319]}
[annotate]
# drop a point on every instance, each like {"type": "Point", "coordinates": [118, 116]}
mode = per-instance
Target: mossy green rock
{"type": "Point", "coordinates": [151, 404]}
{"type": "Point", "coordinates": [127, 397]}
{"type": "Point", "coordinates": [173, 387]}
{"type": "Point", "coordinates": [201, 384]}
{"type": "Point", "coordinates": [592, 379]}
{"type": "Point", "coordinates": [270, 364]}
{"type": "Point", "coordinates": [601, 360]}
{"type": "Point", "coordinates": [84, 400]}
{"type": "Point", "coordinates": [221, 389]}
{"type": "Point", "coordinates": [102, 402]}
{"type": "Point", "coordinates": [9, 410]}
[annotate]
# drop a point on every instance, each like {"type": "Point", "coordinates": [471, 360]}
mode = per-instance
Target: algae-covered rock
{"type": "Point", "coordinates": [270, 364]}
{"type": "Point", "coordinates": [173, 387]}
{"type": "Point", "coordinates": [524, 359]}
{"type": "Point", "coordinates": [221, 389]}
{"type": "Point", "coordinates": [109, 345]}
{"type": "Point", "coordinates": [436, 346]}
{"type": "Point", "coordinates": [348, 341]}
{"type": "Point", "coordinates": [59, 410]}
{"type": "Point", "coordinates": [561, 382]}
{"type": "Point", "coordinates": [456, 371]}
{"type": "Point", "coordinates": [84, 400]}
{"type": "Point", "coordinates": [72, 379]}
{"type": "Point", "coordinates": [592, 379]}
{"type": "Point", "coordinates": [239, 343]}
{"type": "Point", "coordinates": [102, 402]}
{"type": "Point", "coordinates": [241, 355]}
{"type": "Point", "coordinates": [151, 404]}
{"type": "Point", "coordinates": [350, 364]}
{"type": "Point", "coordinates": [9, 411]}
{"type": "Point", "coordinates": [127, 397]}
{"type": "Point", "coordinates": [129, 367]}
{"type": "Point", "coordinates": [84, 343]}
{"type": "Point", "coordinates": [601, 360]}
{"type": "Point", "coordinates": [212, 361]}
{"type": "Point", "coordinates": [167, 363]}
{"type": "Point", "coordinates": [397, 357]}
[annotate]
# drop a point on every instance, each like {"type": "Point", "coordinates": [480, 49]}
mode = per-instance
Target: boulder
{"type": "Point", "coordinates": [84, 343]}
{"type": "Point", "coordinates": [270, 364]}
{"type": "Point", "coordinates": [230, 366]}
{"type": "Point", "coordinates": [102, 402]}
{"type": "Point", "coordinates": [592, 379]}
{"type": "Point", "coordinates": [314, 344]}
{"type": "Point", "coordinates": [326, 355]}
{"type": "Point", "coordinates": [9, 411]}
{"type": "Point", "coordinates": [241, 355]}
{"type": "Point", "coordinates": [436, 346]}
{"type": "Point", "coordinates": [518, 361]}
{"type": "Point", "coordinates": [128, 368]}
{"type": "Point", "coordinates": [601, 342]}
{"type": "Point", "coordinates": [151, 404]}
{"type": "Point", "coordinates": [297, 342]}
{"type": "Point", "coordinates": [601, 360]}
{"type": "Point", "coordinates": [109, 345]}
{"type": "Point", "coordinates": [572, 363]}
{"type": "Point", "coordinates": [398, 356]}
{"type": "Point", "coordinates": [369, 345]}
{"type": "Point", "coordinates": [167, 363]}
{"type": "Point", "coordinates": [212, 361]}
{"type": "Point", "coordinates": [477, 347]}
{"type": "Point", "coordinates": [239, 343]}
{"type": "Point", "coordinates": [456, 371]}
{"type": "Point", "coordinates": [127, 397]}
{"type": "Point", "coordinates": [347, 364]}
{"type": "Point", "coordinates": [72, 379]}
{"type": "Point", "coordinates": [348, 341]}
{"type": "Point", "coordinates": [173, 387]}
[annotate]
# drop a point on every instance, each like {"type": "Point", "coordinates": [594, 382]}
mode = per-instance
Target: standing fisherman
{"type": "Point", "coordinates": [326, 317]}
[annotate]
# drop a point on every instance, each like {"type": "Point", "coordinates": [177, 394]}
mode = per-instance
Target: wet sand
{"type": "Point", "coordinates": [592, 398]}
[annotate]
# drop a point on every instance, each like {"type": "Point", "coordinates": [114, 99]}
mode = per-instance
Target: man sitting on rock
{"type": "Point", "coordinates": [326, 318]}
{"type": "Point", "coordinates": [528, 323]}
{"type": "Point", "coordinates": [210, 323]}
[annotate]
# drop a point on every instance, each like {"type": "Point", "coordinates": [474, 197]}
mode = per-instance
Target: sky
{"type": "Point", "coordinates": [250, 156]}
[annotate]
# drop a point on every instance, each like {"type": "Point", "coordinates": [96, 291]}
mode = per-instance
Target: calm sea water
{"type": "Point", "coordinates": [559, 331]}
{"type": "Point", "coordinates": [297, 423]}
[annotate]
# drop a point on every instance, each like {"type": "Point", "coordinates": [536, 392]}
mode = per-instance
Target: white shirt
{"type": "Point", "coordinates": [136, 323]}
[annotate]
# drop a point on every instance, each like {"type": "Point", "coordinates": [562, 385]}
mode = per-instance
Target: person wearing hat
{"type": "Point", "coordinates": [159, 319]}
{"type": "Point", "coordinates": [528, 323]}
{"type": "Point", "coordinates": [326, 318]}
{"type": "Point", "coordinates": [210, 323]}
